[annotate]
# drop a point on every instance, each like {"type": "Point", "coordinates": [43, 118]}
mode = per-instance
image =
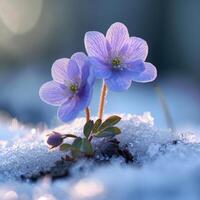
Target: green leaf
{"type": "Point", "coordinates": [75, 150]}
{"type": "Point", "coordinates": [65, 147]}
{"type": "Point", "coordinates": [111, 121]}
{"type": "Point", "coordinates": [96, 125]}
{"type": "Point", "coordinates": [88, 128]}
{"type": "Point", "coordinates": [75, 153]}
{"type": "Point", "coordinates": [86, 147]}
{"type": "Point", "coordinates": [108, 132]}
{"type": "Point", "coordinates": [81, 145]}
{"type": "Point", "coordinates": [77, 143]}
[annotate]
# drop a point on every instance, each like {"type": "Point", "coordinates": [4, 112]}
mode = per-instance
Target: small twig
{"type": "Point", "coordinates": [66, 135]}
{"type": "Point", "coordinates": [165, 108]}
{"type": "Point", "coordinates": [69, 135]}
{"type": "Point", "coordinates": [90, 137]}
{"type": "Point", "coordinates": [102, 100]}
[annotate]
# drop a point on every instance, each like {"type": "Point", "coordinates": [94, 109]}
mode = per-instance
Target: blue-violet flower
{"type": "Point", "coordinates": [71, 88]}
{"type": "Point", "coordinates": [118, 58]}
{"type": "Point", "coordinates": [54, 139]}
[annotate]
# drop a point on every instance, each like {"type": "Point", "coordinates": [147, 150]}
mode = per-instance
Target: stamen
{"type": "Point", "coordinates": [116, 62]}
{"type": "Point", "coordinates": [73, 88]}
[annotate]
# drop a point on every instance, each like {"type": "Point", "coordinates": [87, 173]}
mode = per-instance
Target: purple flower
{"type": "Point", "coordinates": [118, 58]}
{"type": "Point", "coordinates": [54, 139]}
{"type": "Point", "coordinates": [71, 88]}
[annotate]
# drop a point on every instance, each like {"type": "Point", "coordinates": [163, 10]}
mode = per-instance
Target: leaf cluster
{"type": "Point", "coordinates": [92, 129]}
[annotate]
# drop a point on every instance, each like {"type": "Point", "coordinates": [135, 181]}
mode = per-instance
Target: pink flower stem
{"type": "Point", "coordinates": [102, 100]}
{"type": "Point", "coordinates": [101, 104]}
{"type": "Point", "coordinates": [87, 114]}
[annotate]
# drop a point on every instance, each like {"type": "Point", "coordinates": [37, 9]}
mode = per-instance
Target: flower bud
{"type": "Point", "coordinates": [55, 139]}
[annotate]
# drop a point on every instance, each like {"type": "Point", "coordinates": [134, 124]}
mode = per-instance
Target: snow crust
{"type": "Point", "coordinates": [167, 164]}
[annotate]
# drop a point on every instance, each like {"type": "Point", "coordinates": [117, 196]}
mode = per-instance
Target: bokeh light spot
{"type": "Point", "coordinates": [87, 188]}
{"type": "Point", "coordinates": [20, 16]}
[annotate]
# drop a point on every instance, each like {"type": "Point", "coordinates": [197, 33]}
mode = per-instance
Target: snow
{"type": "Point", "coordinates": [166, 164]}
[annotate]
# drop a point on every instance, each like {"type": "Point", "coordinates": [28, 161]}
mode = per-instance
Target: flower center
{"type": "Point", "coordinates": [116, 62]}
{"type": "Point", "coordinates": [73, 88]}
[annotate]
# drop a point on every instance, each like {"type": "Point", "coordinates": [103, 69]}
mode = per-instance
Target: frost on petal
{"type": "Point", "coordinates": [54, 93]}
{"type": "Point", "coordinates": [100, 69]}
{"type": "Point", "coordinates": [117, 36]}
{"type": "Point", "coordinates": [148, 75]}
{"type": "Point", "coordinates": [95, 44]}
{"type": "Point", "coordinates": [138, 49]}
{"type": "Point", "coordinates": [118, 82]}
{"type": "Point", "coordinates": [59, 70]}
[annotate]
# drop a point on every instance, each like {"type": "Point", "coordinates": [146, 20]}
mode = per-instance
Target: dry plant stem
{"type": "Point", "coordinates": [87, 114]}
{"type": "Point", "coordinates": [69, 135]}
{"type": "Point", "coordinates": [90, 138]}
{"type": "Point", "coordinates": [165, 108]}
{"type": "Point", "coordinates": [102, 100]}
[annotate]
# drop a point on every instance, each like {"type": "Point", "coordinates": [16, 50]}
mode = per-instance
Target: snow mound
{"type": "Point", "coordinates": [166, 165]}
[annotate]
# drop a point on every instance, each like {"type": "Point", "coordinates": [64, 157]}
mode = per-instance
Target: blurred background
{"type": "Point", "coordinates": [34, 33]}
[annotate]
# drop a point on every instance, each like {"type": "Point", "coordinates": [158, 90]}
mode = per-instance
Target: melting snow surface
{"type": "Point", "coordinates": [163, 171]}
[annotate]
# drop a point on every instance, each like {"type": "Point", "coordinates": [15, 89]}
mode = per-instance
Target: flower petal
{"type": "Point", "coordinates": [100, 69]}
{"type": "Point", "coordinates": [95, 44]}
{"type": "Point", "coordinates": [148, 75]}
{"type": "Point", "coordinates": [86, 73]}
{"type": "Point", "coordinates": [136, 66]}
{"type": "Point", "coordinates": [79, 58]}
{"type": "Point", "coordinates": [59, 70]}
{"type": "Point", "coordinates": [118, 82]}
{"type": "Point", "coordinates": [117, 36]}
{"type": "Point", "coordinates": [82, 61]}
{"type": "Point", "coordinates": [133, 69]}
{"type": "Point", "coordinates": [70, 109]}
{"type": "Point", "coordinates": [138, 49]}
{"type": "Point", "coordinates": [73, 71]}
{"type": "Point", "coordinates": [54, 93]}
{"type": "Point", "coordinates": [85, 96]}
